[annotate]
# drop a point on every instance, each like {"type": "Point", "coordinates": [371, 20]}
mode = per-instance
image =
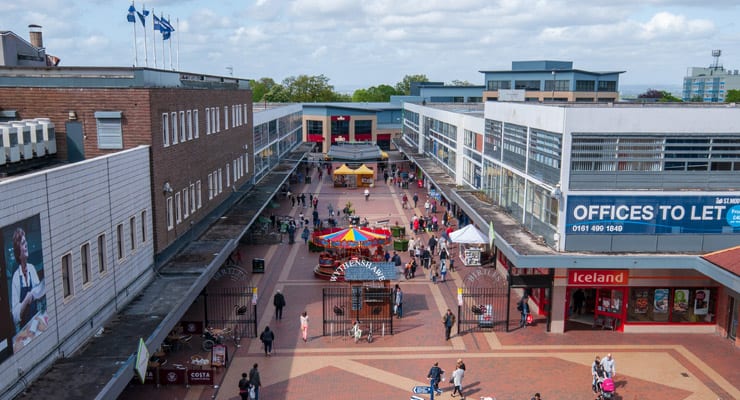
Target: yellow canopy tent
{"type": "Point", "coordinates": [344, 176]}
{"type": "Point", "coordinates": [366, 176]}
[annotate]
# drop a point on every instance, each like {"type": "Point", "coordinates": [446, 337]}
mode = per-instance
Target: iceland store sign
{"type": "Point", "coordinates": [648, 215]}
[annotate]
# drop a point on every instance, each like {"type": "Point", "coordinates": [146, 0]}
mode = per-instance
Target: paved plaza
{"type": "Point", "coordinates": [504, 365]}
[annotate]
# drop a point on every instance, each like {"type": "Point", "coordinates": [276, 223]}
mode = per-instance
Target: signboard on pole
{"type": "Point", "coordinates": [142, 360]}
{"type": "Point", "coordinates": [421, 390]}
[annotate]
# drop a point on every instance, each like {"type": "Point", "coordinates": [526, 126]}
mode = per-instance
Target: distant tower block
{"type": "Point", "coordinates": [35, 36]}
{"type": "Point", "coordinates": [716, 54]}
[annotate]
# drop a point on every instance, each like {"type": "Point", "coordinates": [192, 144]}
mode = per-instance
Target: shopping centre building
{"type": "Point", "coordinates": [614, 203]}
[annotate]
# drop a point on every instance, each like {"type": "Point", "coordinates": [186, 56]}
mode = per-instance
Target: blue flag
{"type": "Point", "coordinates": [131, 17]}
{"type": "Point", "coordinates": [142, 17]}
{"type": "Point", "coordinates": [157, 25]}
{"type": "Point", "coordinates": [166, 24]}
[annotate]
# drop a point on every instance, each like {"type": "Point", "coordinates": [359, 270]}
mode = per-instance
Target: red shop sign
{"type": "Point", "coordinates": [200, 376]}
{"type": "Point", "coordinates": [171, 376]}
{"type": "Point", "coordinates": [590, 277]}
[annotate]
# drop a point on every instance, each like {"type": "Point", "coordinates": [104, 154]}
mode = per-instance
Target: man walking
{"type": "Point", "coordinates": [244, 387]}
{"type": "Point", "coordinates": [609, 367]}
{"type": "Point", "coordinates": [398, 302]}
{"type": "Point", "coordinates": [448, 320]}
{"type": "Point", "coordinates": [523, 308]}
{"type": "Point", "coordinates": [254, 380]}
{"type": "Point", "coordinates": [267, 338]}
{"type": "Point", "coordinates": [279, 302]}
{"type": "Point", "coordinates": [434, 376]}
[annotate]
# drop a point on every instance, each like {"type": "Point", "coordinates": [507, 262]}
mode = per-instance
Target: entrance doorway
{"type": "Point", "coordinates": [732, 318]}
{"type": "Point", "coordinates": [600, 308]}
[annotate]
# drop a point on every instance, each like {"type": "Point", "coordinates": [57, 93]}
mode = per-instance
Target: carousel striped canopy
{"type": "Point", "coordinates": [353, 237]}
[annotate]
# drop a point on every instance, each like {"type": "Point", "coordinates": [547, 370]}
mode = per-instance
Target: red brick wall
{"type": "Point", "coordinates": [142, 110]}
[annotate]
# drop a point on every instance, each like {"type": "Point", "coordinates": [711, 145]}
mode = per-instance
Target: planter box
{"type": "Point", "coordinates": [398, 231]}
{"type": "Point", "coordinates": [401, 244]}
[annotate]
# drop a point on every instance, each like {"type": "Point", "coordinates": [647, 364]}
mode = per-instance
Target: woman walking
{"type": "Point", "coordinates": [304, 326]}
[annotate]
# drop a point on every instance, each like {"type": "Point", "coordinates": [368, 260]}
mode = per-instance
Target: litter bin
{"type": "Point", "coordinates": [258, 265]}
{"type": "Point", "coordinates": [308, 179]}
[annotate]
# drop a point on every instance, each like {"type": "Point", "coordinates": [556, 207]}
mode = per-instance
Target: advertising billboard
{"type": "Point", "coordinates": [23, 314]}
{"type": "Point", "coordinates": [650, 215]}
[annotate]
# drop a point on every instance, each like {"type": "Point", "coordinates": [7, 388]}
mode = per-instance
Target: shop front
{"type": "Point", "coordinates": [640, 301]}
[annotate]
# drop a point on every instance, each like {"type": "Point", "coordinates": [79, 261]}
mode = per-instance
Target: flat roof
{"type": "Point", "coordinates": [550, 70]}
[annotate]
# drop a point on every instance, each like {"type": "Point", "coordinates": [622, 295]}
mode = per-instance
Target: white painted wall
{"type": "Point", "coordinates": [75, 204]}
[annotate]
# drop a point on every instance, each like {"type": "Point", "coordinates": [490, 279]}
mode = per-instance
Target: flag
{"type": "Point", "coordinates": [491, 233]}
{"type": "Point", "coordinates": [131, 17]}
{"type": "Point", "coordinates": [142, 17]}
{"type": "Point", "coordinates": [157, 24]}
{"type": "Point", "coordinates": [165, 35]}
{"type": "Point", "coordinates": [166, 25]}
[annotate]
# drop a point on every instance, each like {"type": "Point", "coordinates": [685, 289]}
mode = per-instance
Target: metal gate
{"type": "Point", "coordinates": [484, 305]}
{"type": "Point", "coordinates": [231, 307]}
{"type": "Point", "coordinates": [371, 305]}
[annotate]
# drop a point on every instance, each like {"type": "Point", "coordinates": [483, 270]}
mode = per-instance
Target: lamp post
{"type": "Point", "coordinates": [554, 76]}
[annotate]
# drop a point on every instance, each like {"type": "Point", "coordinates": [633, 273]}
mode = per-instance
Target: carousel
{"type": "Point", "coordinates": [346, 244]}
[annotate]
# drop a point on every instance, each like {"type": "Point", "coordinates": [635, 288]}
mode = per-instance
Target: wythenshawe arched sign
{"type": "Point", "coordinates": [373, 271]}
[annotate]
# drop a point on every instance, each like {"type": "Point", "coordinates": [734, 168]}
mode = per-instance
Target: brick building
{"type": "Point", "coordinates": [198, 126]}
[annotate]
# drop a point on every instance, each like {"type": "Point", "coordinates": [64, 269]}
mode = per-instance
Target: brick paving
{"type": "Point", "coordinates": [511, 365]}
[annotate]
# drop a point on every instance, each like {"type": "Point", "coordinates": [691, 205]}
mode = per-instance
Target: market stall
{"type": "Point", "coordinates": [365, 176]}
{"type": "Point", "coordinates": [344, 176]}
{"type": "Point", "coordinates": [471, 242]}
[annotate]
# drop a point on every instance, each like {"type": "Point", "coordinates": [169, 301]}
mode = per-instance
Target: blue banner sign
{"type": "Point", "coordinates": [421, 389]}
{"type": "Point", "coordinates": [649, 215]}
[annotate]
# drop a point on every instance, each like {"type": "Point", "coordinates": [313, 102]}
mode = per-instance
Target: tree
{"type": "Point", "coordinates": [277, 94]}
{"type": "Point", "coordinates": [260, 88]}
{"type": "Point", "coordinates": [660, 96]}
{"type": "Point", "coordinates": [651, 94]}
{"type": "Point", "coordinates": [461, 83]}
{"type": "Point", "coordinates": [404, 87]}
{"type": "Point", "coordinates": [733, 96]}
{"type": "Point", "coordinates": [380, 93]}
{"type": "Point", "coordinates": [303, 89]}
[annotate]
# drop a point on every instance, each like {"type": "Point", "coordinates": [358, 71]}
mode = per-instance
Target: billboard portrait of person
{"type": "Point", "coordinates": [25, 279]}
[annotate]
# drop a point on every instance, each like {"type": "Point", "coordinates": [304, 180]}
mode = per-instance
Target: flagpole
{"type": "Point", "coordinates": [136, 50]}
{"type": "Point", "coordinates": [164, 59]}
{"type": "Point", "coordinates": [154, 41]}
{"type": "Point", "coordinates": [178, 43]}
{"type": "Point", "coordinates": [171, 66]}
{"type": "Point", "coordinates": [146, 50]}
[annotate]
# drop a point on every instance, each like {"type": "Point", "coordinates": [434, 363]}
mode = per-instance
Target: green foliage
{"type": "Point", "coordinates": [667, 97]}
{"type": "Point", "coordinates": [660, 96]}
{"type": "Point", "coordinates": [260, 88]}
{"type": "Point", "coordinates": [380, 93]}
{"type": "Point", "coordinates": [697, 98]}
{"type": "Point", "coordinates": [404, 87]}
{"type": "Point", "coordinates": [461, 83]}
{"type": "Point", "coordinates": [733, 96]}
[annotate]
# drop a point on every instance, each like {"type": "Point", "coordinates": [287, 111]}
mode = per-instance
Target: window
{"type": "Point", "coordinates": [110, 132]}
{"type": "Point", "coordinates": [143, 226]}
{"type": "Point", "coordinates": [220, 180]}
{"type": "Point", "coordinates": [228, 180]}
{"type": "Point", "coordinates": [210, 186]}
{"type": "Point", "coordinates": [226, 117]}
{"type": "Point", "coordinates": [119, 240]}
{"type": "Point", "coordinates": [236, 171]}
{"type": "Point", "coordinates": [196, 132]}
{"type": "Point", "coordinates": [192, 198]}
{"type": "Point", "coordinates": [190, 124]}
{"type": "Point", "coordinates": [498, 85]}
{"type": "Point", "coordinates": [101, 254]}
{"type": "Point", "coordinates": [183, 136]}
{"type": "Point", "coordinates": [607, 86]}
{"type": "Point", "coordinates": [85, 263]}
{"type": "Point", "coordinates": [67, 275]}
{"type": "Point", "coordinates": [178, 208]}
{"type": "Point", "coordinates": [315, 127]}
{"type": "Point", "coordinates": [170, 214]}
{"type": "Point", "coordinates": [560, 85]}
{"type": "Point", "coordinates": [675, 305]}
{"type": "Point", "coordinates": [197, 187]}
{"type": "Point", "coordinates": [246, 114]}
{"type": "Point", "coordinates": [585, 86]}
{"type": "Point", "coordinates": [527, 85]}
{"type": "Point", "coordinates": [185, 203]}
{"type": "Point", "coordinates": [217, 118]}
{"type": "Point", "coordinates": [173, 128]}
{"type": "Point", "coordinates": [132, 232]}
{"type": "Point", "coordinates": [165, 130]}
{"type": "Point", "coordinates": [246, 164]}
{"type": "Point", "coordinates": [208, 121]}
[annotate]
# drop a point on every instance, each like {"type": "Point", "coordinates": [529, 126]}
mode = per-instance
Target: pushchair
{"type": "Point", "coordinates": [606, 389]}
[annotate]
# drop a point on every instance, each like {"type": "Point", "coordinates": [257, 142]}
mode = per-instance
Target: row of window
{"type": "Point", "coordinates": [562, 85]}
{"type": "Point", "coordinates": [86, 257]}
{"type": "Point", "coordinates": [182, 126]}
{"type": "Point", "coordinates": [184, 203]}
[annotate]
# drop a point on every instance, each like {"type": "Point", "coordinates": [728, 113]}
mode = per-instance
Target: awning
{"type": "Point", "coordinates": [315, 138]}
{"type": "Point", "coordinates": [363, 137]}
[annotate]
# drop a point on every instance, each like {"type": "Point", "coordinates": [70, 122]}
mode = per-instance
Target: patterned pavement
{"type": "Point", "coordinates": [511, 365]}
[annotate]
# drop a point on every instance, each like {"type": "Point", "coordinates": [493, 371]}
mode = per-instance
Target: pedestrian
{"type": "Point", "coordinates": [304, 326]}
{"type": "Point", "coordinates": [244, 387]}
{"type": "Point", "coordinates": [254, 381]}
{"type": "Point", "coordinates": [279, 302]}
{"type": "Point", "coordinates": [398, 303]}
{"type": "Point", "coordinates": [609, 367]}
{"type": "Point", "coordinates": [460, 363]}
{"type": "Point", "coordinates": [416, 199]}
{"type": "Point", "coordinates": [597, 375]}
{"type": "Point", "coordinates": [426, 257]}
{"type": "Point", "coordinates": [292, 199]}
{"type": "Point", "coordinates": [434, 376]}
{"type": "Point", "coordinates": [387, 256]}
{"type": "Point", "coordinates": [273, 220]}
{"type": "Point", "coordinates": [404, 201]}
{"type": "Point", "coordinates": [456, 379]}
{"type": "Point", "coordinates": [396, 260]}
{"type": "Point", "coordinates": [523, 308]}
{"type": "Point", "coordinates": [442, 269]}
{"type": "Point", "coordinates": [291, 232]}
{"type": "Point", "coordinates": [448, 320]}
{"type": "Point", "coordinates": [578, 298]}
{"type": "Point", "coordinates": [266, 338]}
{"type": "Point", "coordinates": [315, 202]}
{"type": "Point", "coordinates": [367, 194]}
{"type": "Point", "coordinates": [331, 209]}
{"type": "Point", "coordinates": [305, 234]}
{"type": "Point", "coordinates": [432, 243]}
{"type": "Point", "coordinates": [412, 244]}
{"type": "Point", "coordinates": [434, 271]}
{"type": "Point", "coordinates": [303, 200]}
{"type": "Point", "coordinates": [427, 206]}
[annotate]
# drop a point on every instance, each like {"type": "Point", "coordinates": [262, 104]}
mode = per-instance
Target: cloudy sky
{"type": "Point", "coordinates": [359, 43]}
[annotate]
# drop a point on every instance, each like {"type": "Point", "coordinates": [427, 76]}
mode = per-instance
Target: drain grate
{"type": "Point", "coordinates": [684, 374]}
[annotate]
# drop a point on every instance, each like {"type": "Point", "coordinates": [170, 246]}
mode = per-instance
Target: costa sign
{"type": "Point", "coordinates": [586, 277]}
